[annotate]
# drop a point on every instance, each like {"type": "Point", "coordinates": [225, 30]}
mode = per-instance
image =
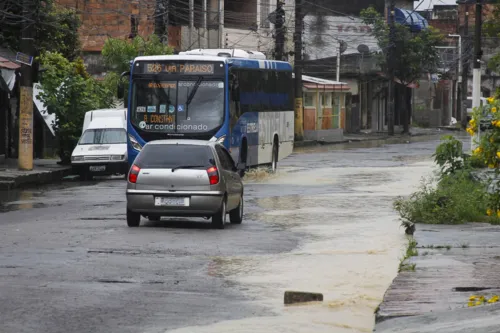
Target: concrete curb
{"type": "Point", "coordinates": [10, 181]}
{"type": "Point", "coordinates": [301, 144]}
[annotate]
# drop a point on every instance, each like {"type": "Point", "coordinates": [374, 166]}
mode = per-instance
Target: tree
{"type": "Point", "coordinates": [117, 54]}
{"type": "Point", "coordinates": [68, 92]}
{"type": "Point", "coordinates": [415, 53]}
{"type": "Point", "coordinates": [56, 29]}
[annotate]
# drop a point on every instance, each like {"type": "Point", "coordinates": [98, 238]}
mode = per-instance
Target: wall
{"type": "Point", "coordinates": [111, 18]}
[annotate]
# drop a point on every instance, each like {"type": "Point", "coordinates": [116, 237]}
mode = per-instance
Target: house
{"type": "Point", "coordinates": [43, 132]}
{"type": "Point", "coordinates": [324, 109]}
{"type": "Point", "coordinates": [333, 26]}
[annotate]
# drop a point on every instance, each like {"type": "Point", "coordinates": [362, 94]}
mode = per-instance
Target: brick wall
{"type": "Point", "coordinates": [102, 19]}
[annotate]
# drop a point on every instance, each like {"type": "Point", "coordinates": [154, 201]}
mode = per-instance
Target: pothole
{"type": "Point", "coordinates": [470, 289]}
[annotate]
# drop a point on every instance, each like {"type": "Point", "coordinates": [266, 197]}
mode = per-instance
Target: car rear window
{"type": "Point", "coordinates": [172, 156]}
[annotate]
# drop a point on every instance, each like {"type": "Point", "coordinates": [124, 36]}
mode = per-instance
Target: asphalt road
{"type": "Point", "coordinates": [324, 223]}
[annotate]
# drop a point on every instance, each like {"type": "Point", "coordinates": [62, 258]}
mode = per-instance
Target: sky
{"type": "Point", "coordinates": [428, 4]}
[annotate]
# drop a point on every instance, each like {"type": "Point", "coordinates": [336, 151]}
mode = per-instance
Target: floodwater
{"type": "Point", "coordinates": [351, 238]}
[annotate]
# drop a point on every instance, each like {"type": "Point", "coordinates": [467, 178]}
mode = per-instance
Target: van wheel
{"type": "Point", "coordinates": [133, 219]}
{"type": "Point", "coordinates": [85, 176]}
{"type": "Point", "coordinates": [219, 219]}
{"type": "Point", "coordinates": [236, 215]}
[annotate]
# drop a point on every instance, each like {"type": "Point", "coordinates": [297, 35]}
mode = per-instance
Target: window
{"type": "Point", "coordinates": [171, 156]}
{"type": "Point", "coordinates": [264, 90]}
{"type": "Point", "coordinates": [225, 158]}
{"type": "Point", "coordinates": [103, 136]}
{"type": "Point", "coordinates": [309, 99]}
{"type": "Point", "coordinates": [326, 100]}
{"type": "Point", "coordinates": [265, 9]}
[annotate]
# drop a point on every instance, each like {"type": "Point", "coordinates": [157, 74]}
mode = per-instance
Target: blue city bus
{"type": "Point", "coordinates": [246, 104]}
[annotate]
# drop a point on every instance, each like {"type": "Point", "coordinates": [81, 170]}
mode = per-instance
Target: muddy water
{"type": "Point", "coordinates": [350, 250]}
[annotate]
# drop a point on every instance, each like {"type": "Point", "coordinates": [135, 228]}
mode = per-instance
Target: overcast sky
{"type": "Point", "coordinates": [428, 4]}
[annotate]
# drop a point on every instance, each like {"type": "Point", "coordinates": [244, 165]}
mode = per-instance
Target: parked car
{"type": "Point", "coordinates": [185, 178]}
{"type": "Point", "coordinates": [102, 148]}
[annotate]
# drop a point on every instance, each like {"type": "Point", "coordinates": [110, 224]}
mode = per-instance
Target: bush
{"type": "Point", "coordinates": [455, 199]}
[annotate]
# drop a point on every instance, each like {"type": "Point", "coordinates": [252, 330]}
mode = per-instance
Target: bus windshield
{"type": "Point", "coordinates": [175, 106]}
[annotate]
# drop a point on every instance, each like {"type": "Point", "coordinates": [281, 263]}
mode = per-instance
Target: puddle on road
{"type": "Point", "coordinates": [350, 251]}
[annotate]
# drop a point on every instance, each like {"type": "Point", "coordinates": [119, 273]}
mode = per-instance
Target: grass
{"type": "Point", "coordinates": [454, 199]}
{"type": "Point", "coordinates": [411, 251]}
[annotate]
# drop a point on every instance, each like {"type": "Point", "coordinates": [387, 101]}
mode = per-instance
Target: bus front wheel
{"type": "Point", "coordinates": [274, 157]}
{"type": "Point", "coordinates": [243, 158]}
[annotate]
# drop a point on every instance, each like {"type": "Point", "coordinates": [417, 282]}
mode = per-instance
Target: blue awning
{"type": "Point", "coordinates": [410, 18]}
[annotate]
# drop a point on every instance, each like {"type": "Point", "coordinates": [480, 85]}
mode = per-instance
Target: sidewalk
{"type": "Point", "coordinates": [369, 136]}
{"type": "Point", "coordinates": [44, 171]}
{"type": "Point", "coordinates": [454, 262]}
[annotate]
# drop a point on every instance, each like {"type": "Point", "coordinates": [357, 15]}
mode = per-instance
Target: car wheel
{"type": "Point", "coordinates": [236, 215]}
{"type": "Point", "coordinates": [154, 217]}
{"type": "Point", "coordinates": [133, 219]}
{"type": "Point", "coordinates": [219, 219]}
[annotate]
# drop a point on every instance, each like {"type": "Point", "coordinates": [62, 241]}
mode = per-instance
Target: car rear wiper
{"type": "Point", "coordinates": [187, 167]}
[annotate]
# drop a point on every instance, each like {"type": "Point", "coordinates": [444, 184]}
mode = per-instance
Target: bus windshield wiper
{"type": "Point", "coordinates": [193, 92]}
{"type": "Point", "coordinates": [187, 167]}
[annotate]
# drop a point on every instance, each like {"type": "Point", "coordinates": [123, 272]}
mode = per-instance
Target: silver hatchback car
{"type": "Point", "coordinates": [184, 178]}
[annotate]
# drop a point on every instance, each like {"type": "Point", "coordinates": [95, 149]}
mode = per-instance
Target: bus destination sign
{"type": "Point", "coordinates": [181, 68]}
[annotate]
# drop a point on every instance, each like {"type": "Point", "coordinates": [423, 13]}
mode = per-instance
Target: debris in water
{"type": "Point", "coordinates": [292, 297]}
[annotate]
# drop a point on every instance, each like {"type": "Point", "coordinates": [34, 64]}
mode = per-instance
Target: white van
{"type": "Point", "coordinates": [102, 148]}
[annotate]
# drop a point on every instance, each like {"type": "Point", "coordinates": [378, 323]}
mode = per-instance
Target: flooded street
{"type": "Point", "coordinates": [324, 223]}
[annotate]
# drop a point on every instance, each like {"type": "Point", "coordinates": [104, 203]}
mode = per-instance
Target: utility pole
{"type": "Point", "coordinates": [338, 61]}
{"type": "Point", "coordinates": [279, 42]}
{"type": "Point", "coordinates": [299, 123]}
{"type": "Point", "coordinates": [191, 21]}
{"type": "Point", "coordinates": [25, 155]}
{"type": "Point", "coordinates": [465, 69]}
{"type": "Point", "coordinates": [220, 8]}
{"type": "Point", "coordinates": [390, 68]}
{"type": "Point", "coordinates": [161, 20]}
{"type": "Point", "coordinates": [476, 74]}
{"type": "Point", "coordinates": [459, 70]}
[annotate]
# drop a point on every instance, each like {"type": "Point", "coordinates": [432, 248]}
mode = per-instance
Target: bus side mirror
{"type": "Point", "coordinates": [121, 90]}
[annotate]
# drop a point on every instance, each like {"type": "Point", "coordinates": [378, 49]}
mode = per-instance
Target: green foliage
{"type": "Point", "coordinates": [117, 54]}
{"type": "Point", "coordinates": [449, 155]}
{"type": "Point", "coordinates": [56, 30]}
{"type": "Point", "coordinates": [415, 53]}
{"type": "Point", "coordinates": [457, 198]}
{"type": "Point", "coordinates": [69, 92]}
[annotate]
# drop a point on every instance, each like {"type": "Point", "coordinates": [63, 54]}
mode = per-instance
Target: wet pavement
{"type": "Point", "coordinates": [324, 223]}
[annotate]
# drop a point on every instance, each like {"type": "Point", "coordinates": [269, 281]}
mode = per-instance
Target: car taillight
{"type": "Point", "coordinates": [133, 174]}
{"type": "Point", "coordinates": [213, 175]}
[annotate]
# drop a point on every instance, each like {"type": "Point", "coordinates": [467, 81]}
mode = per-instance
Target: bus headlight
{"type": "Point", "coordinates": [136, 145]}
{"type": "Point", "coordinates": [221, 139]}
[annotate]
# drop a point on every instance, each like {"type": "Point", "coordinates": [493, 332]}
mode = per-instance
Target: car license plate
{"type": "Point", "coordinates": [171, 201]}
{"type": "Point", "coordinates": [97, 168]}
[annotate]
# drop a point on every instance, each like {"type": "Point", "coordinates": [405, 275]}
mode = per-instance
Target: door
{"type": "Point", "coordinates": [230, 177]}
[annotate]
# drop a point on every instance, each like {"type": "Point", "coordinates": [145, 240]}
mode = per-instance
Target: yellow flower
{"type": "Point", "coordinates": [491, 100]}
{"type": "Point", "coordinates": [494, 299]}
{"type": "Point", "coordinates": [493, 109]}
{"type": "Point", "coordinates": [472, 298]}
{"type": "Point", "coordinates": [479, 303]}
{"type": "Point", "coordinates": [470, 131]}
{"type": "Point", "coordinates": [472, 122]}
{"type": "Point", "coordinates": [489, 212]}
{"type": "Point", "coordinates": [477, 151]}
{"type": "Point", "coordinates": [491, 166]}
{"type": "Point", "coordinates": [498, 213]}
{"type": "Point", "coordinates": [471, 304]}
{"type": "Point", "coordinates": [492, 140]}
{"type": "Point", "coordinates": [498, 154]}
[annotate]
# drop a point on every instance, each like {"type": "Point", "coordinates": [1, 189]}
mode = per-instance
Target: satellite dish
{"type": "Point", "coordinates": [363, 49]}
{"type": "Point", "coordinates": [343, 46]}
